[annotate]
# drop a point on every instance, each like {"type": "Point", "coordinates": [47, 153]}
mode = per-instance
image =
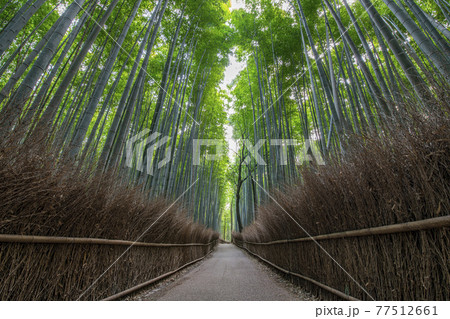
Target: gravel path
{"type": "Point", "coordinates": [229, 274]}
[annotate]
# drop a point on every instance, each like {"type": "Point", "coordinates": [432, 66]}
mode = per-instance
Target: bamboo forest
{"type": "Point", "coordinates": [142, 137]}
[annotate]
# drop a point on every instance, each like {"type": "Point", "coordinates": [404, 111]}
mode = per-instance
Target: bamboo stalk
{"type": "Point", "coordinates": [336, 292]}
{"type": "Point", "coordinates": [431, 223]}
{"type": "Point", "coordinates": [24, 239]}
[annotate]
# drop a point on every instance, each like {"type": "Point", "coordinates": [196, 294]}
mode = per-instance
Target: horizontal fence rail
{"type": "Point", "coordinates": [26, 239]}
{"type": "Point", "coordinates": [431, 223]}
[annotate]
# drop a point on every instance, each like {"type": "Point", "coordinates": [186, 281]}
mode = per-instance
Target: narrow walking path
{"type": "Point", "coordinates": [229, 274]}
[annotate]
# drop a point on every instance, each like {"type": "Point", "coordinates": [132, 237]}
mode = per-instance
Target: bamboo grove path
{"type": "Point", "coordinates": [229, 274]}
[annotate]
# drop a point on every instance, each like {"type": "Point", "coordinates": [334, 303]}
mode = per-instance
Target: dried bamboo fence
{"type": "Point", "coordinates": [408, 261]}
{"type": "Point", "coordinates": [64, 268]}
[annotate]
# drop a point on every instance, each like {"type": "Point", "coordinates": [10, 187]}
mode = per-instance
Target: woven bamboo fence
{"type": "Point", "coordinates": [61, 268]}
{"type": "Point", "coordinates": [408, 261]}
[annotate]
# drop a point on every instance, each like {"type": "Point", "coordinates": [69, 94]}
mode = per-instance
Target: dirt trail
{"type": "Point", "coordinates": [228, 274]}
